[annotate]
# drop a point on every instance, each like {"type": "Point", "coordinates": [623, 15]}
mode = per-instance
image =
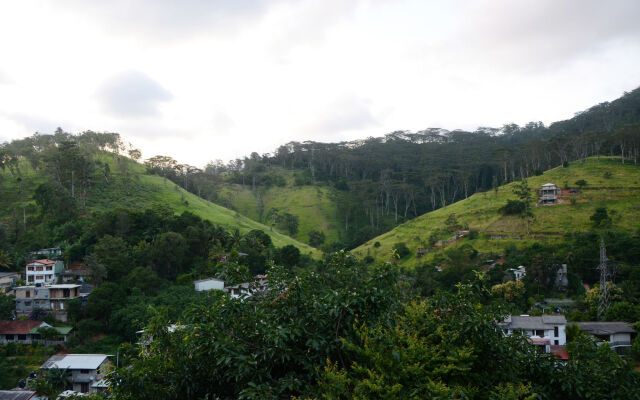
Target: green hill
{"type": "Point", "coordinates": [128, 186]}
{"type": "Point", "coordinates": [610, 184]}
{"type": "Point", "coordinates": [316, 206]}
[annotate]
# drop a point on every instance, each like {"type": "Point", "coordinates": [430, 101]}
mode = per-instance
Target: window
{"type": "Point", "coordinates": [84, 371]}
{"type": "Point", "coordinates": [539, 332]}
{"type": "Point", "coordinates": [22, 337]}
{"type": "Point", "coordinates": [555, 331]}
{"type": "Point", "coordinates": [39, 269]}
{"type": "Point", "coordinates": [27, 304]}
{"type": "Point", "coordinates": [556, 342]}
{"type": "Point", "coordinates": [27, 293]}
{"type": "Point", "coordinates": [9, 337]}
{"type": "Point", "coordinates": [84, 387]}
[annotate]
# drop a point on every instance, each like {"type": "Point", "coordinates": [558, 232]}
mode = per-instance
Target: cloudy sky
{"type": "Point", "coordinates": [217, 79]}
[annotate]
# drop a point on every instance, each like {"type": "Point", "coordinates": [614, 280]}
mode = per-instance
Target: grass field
{"type": "Point", "coordinates": [140, 192]}
{"type": "Point", "coordinates": [315, 206]}
{"type": "Point", "coordinates": [609, 184]}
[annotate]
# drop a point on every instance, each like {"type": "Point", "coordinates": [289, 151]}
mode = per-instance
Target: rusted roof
{"type": "Point", "coordinates": [17, 327]}
{"type": "Point", "coordinates": [44, 261]}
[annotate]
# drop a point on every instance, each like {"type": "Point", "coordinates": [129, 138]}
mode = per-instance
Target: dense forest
{"type": "Point", "coordinates": [387, 180]}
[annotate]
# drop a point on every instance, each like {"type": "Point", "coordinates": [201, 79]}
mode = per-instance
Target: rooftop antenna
{"type": "Point", "coordinates": [603, 302]}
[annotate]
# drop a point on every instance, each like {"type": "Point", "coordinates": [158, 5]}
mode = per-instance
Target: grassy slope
{"type": "Point", "coordinates": [620, 194]}
{"type": "Point", "coordinates": [143, 191]}
{"type": "Point", "coordinates": [314, 205]}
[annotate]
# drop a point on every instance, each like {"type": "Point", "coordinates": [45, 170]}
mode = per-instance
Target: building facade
{"type": "Point", "coordinates": [544, 331]}
{"type": "Point", "coordinates": [43, 271]}
{"type": "Point", "coordinates": [618, 334]}
{"type": "Point", "coordinates": [49, 298]}
{"type": "Point", "coordinates": [548, 194]}
{"type": "Point", "coordinates": [87, 370]}
{"type": "Point", "coordinates": [7, 280]}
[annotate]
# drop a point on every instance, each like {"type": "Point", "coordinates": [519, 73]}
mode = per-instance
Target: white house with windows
{"type": "Point", "coordinates": [43, 271]}
{"type": "Point", "coordinates": [87, 370]}
{"type": "Point", "coordinates": [544, 331]}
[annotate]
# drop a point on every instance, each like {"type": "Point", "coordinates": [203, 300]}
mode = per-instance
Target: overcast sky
{"type": "Point", "coordinates": [217, 79]}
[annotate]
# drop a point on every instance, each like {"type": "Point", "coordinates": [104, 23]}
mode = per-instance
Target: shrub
{"type": "Point", "coordinates": [513, 207]}
{"type": "Point", "coordinates": [401, 249]}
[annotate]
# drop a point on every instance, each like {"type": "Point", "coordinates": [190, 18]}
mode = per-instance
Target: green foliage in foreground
{"type": "Point", "coordinates": [342, 331]}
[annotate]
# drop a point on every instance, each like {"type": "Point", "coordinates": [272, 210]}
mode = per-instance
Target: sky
{"type": "Point", "coordinates": [201, 80]}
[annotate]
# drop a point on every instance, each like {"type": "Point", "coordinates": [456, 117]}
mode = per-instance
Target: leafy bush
{"type": "Point", "coordinates": [401, 249]}
{"type": "Point", "coordinates": [513, 207]}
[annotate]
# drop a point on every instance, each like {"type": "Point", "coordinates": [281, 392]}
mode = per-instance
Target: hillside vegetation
{"type": "Point", "coordinates": [127, 186]}
{"type": "Point", "coordinates": [609, 184]}
{"type": "Point", "coordinates": [381, 182]}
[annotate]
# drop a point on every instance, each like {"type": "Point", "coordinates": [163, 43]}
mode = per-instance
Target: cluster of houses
{"type": "Point", "coordinates": [548, 332]}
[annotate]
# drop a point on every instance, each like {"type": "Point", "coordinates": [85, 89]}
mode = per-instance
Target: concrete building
{"type": "Point", "coordinates": [43, 271]}
{"type": "Point", "coordinates": [49, 298]}
{"type": "Point", "coordinates": [208, 284]}
{"type": "Point", "coordinates": [51, 253]}
{"type": "Point", "coordinates": [548, 194]}
{"type": "Point", "coordinates": [544, 331]}
{"type": "Point", "coordinates": [619, 335]}
{"type": "Point", "coordinates": [87, 370]}
{"type": "Point", "coordinates": [7, 279]}
{"type": "Point", "coordinates": [519, 272]}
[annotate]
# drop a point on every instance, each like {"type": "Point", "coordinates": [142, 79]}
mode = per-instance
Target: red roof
{"type": "Point", "coordinates": [44, 261]}
{"type": "Point", "coordinates": [18, 327]}
{"type": "Point", "coordinates": [559, 351]}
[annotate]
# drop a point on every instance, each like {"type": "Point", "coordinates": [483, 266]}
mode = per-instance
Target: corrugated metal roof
{"type": "Point", "coordinates": [16, 394]}
{"type": "Point", "coordinates": [75, 361]}
{"type": "Point", "coordinates": [606, 328]}
{"type": "Point", "coordinates": [17, 327]}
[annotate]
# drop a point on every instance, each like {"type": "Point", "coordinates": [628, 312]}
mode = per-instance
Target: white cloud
{"type": "Point", "coordinates": [201, 80]}
{"type": "Point", "coordinates": [132, 94]}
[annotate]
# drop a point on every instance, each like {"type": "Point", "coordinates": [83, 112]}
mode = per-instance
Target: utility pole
{"type": "Point", "coordinates": [603, 302]}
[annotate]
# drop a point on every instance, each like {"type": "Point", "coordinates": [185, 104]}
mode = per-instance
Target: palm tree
{"type": "Point", "coordinates": [5, 260]}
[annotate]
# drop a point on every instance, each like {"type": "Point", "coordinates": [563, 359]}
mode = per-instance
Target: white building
{"type": "Point", "coordinates": [87, 370]}
{"type": "Point", "coordinates": [549, 194]}
{"type": "Point", "coordinates": [519, 272]}
{"type": "Point", "coordinates": [543, 331]}
{"type": "Point", "coordinates": [208, 284]}
{"type": "Point", "coordinates": [43, 271]}
{"type": "Point", "coordinates": [619, 335]}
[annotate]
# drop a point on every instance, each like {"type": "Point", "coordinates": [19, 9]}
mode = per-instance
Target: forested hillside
{"type": "Point", "coordinates": [62, 176]}
{"type": "Point", "coordinates": [496, 218]}
{"type": "Point", "coordinates": [375, 184]}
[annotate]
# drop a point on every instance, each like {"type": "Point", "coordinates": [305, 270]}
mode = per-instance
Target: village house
{"type": "Point", "coordinates": [87, 370]}
{"type": "Point", "coordinates": [50, 253]}
{"type": "Point", "coordinates": [548, 194]}
{"type": "Point", "coordinates": [76, 273]}
{"type": "Point", "coordinates": [49, 298]}
{"type": "Point", "coordinates": [544, 331]}
{"type": "Point", "coordinates": [248, 289]}
{"type": "Point", "coordinates": [27, 332]}
{"type": "Point", "coordinates": [208, 284]}
{"type": "Point", "coordinates": [43, 271]}
{"type": "Point", "coordinates": [7, 280]}
{"type": "Point", "coordinates": [518, 273]}
{"type": "Point", "coordinates": [619, 335]}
